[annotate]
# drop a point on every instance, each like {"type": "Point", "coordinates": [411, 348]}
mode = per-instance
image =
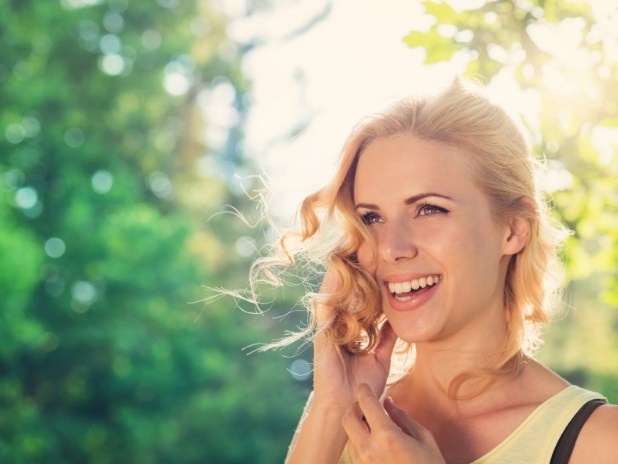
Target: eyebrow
{"type": "Point", "coordinates": [408, 201]}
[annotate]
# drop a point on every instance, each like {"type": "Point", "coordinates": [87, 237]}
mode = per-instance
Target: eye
{"type": "Point", "coordinates": [428, 209]}
{"type": "Point", "coordinates": [371, 218]}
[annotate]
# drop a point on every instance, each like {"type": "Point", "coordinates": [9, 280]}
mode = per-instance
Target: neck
{"type": "Point", "coordinates": [440, 366]}
{"type": "Point", "coordinates": [424, 391]}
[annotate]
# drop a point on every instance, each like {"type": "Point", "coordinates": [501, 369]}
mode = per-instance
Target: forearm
{"type": "Point", "coordinates": [319, 436]}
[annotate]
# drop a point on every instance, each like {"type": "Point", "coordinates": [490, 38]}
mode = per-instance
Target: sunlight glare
{"type": "Point", "coordinates": [555, 177]}
{"type": "Point", "coordinates": [605, 140]}
{"type": "Point", "coordinates": [176, 83]}
{"type": "Point", "coordinates": [310, 89]}
{"type": "Point", "coordinates": [562, 40]}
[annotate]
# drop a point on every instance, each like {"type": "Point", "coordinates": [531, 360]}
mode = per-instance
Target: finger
{"type": "Point", "coordinates": [325, 314]}
{"type": "Point", "coordinates": [387, 342]}
{"type": "Point", "coordinates": [408, 425]}
{"type": "Point", "coordinates": [371, 408]}
{"type": "Point", "coordinates": [354, 425]}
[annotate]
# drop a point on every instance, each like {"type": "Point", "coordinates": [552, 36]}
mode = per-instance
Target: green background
{"type": "Point", "coordinates": [109, 229]}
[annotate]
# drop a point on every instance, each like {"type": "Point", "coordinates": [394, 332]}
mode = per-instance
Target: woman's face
{"type": "Point", "coordinates": [437, 254]}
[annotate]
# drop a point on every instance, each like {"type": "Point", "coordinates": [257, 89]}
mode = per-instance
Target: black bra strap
{"type": "Point", "coordinates": [564, 447]}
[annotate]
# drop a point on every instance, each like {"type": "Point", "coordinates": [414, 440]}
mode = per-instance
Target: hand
{"type": "Point", "coordinates": [320, 436]}
{"type": "Point", "coordinates": [386, 434]}
{"type": "Point", "coordinates": [337, 373]}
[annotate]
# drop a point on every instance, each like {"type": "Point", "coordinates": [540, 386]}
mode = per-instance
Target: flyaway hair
{"type": "Point", "coordinates": [330, 231]}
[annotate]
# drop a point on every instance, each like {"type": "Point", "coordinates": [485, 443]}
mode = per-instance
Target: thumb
{"type": "Point", "coordinates": [325, 313]}
{"type": "Point", "coordinates": [385, 347]}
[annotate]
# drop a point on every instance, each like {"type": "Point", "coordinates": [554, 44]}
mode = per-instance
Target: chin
{"type": "Point", "coordinates": [407, 333]}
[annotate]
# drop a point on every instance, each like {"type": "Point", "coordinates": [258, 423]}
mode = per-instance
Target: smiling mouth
{"type": "Point", "coordinates": [404, 290]}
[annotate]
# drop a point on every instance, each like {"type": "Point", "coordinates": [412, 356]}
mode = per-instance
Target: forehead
{"type": "Point", "coordinates": [408, 164]}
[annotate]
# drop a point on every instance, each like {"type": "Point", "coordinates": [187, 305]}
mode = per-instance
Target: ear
{"type": "Point", "coordinates": [516, 235]}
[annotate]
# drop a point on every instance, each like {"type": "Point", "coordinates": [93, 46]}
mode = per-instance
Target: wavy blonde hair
{"type": "Point", "coordinates": [501, 162]}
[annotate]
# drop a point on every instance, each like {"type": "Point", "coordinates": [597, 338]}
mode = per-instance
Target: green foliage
{"type": "Point", "coordinates": [19, 269]}
{"type": "Point", "coordinates": [437, 46]}
{"type": "Point", "coordinates": [560, 52]}
{"type": "Point", "coordinates": [105, 240]}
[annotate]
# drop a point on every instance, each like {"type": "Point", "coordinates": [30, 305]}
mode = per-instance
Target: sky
{"type": "Point", "coordinates": [309, 88]}
{"type": "Point", "coordinates": [319, 83]}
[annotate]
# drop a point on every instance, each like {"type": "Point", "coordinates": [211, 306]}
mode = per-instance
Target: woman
{"type": "Point", "coordinates": [442, 242]}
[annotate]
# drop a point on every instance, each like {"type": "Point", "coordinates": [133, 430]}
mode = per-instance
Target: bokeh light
{"type": "Point", "coordinates": [55, 247]}
{"type": "Point", "coordinates": [102, 181]}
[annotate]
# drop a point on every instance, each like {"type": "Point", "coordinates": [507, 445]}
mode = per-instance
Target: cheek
{"type": "Point", "coordinates": [367, 257]}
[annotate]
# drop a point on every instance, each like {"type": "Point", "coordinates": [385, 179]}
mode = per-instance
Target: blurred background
{"type": "Point", "coordinates": [133, 131]}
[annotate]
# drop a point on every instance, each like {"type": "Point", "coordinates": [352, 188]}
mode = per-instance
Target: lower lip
{"type": "Point", "coordinates": [415, 301]}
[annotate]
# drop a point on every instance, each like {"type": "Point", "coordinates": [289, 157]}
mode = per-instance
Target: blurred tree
{"type": "Point", "coordinates": [556, 62]}
{"type": "Point", "coordinates": [118, 137]}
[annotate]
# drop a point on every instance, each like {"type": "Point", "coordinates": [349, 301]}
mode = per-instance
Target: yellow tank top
{"type": "Point", "coordinates": [534, 440]}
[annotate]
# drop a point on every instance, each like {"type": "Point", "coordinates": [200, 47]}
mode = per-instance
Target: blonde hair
{"type": "Point", "coordinates": [503, 167]}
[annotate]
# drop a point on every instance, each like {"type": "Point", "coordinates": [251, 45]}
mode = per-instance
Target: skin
{"type": "Point", "coordinates": [447, 230]}
{"type": "Point", "coordinates": [427, 218]}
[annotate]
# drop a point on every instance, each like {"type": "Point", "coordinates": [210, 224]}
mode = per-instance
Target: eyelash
{"type": "Point", "coordinates": [428, 206]}
{"type": "Point", "coordinates": [368, 218]}
{"type": "Point", "coordinates": [424, 209]}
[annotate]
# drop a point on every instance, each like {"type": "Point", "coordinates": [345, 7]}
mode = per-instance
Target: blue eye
{"type": "Point", "coordinates": [429, 209]}
{"type": "Point", "coordinates": [371, 218]}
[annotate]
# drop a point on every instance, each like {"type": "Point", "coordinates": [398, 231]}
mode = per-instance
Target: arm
{"type": "Point", "coordinates": [320, 437]}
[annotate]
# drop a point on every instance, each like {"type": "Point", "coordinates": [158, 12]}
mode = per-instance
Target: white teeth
{"type": "Point", "coordinates": [415, 284]}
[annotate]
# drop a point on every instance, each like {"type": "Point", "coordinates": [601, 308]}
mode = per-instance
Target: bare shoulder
{"type": "Point", "coordinates": [598, 439]}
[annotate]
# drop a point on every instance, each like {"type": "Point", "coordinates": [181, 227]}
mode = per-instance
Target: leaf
{"type": "Point", "coordinates": [442, 11]}
{"type": "Point", "coordinates": [437, 47]}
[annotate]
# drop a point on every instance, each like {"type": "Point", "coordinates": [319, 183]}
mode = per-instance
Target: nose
{"type": "Point", "coordinates": [396, 241]}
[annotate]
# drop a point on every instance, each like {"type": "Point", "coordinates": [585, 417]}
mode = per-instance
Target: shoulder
{"type": "Point", "coordinates": [597, 439]}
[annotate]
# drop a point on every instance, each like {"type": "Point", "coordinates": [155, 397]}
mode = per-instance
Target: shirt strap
{"type": "Point", "coordinates": [566, 443]}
